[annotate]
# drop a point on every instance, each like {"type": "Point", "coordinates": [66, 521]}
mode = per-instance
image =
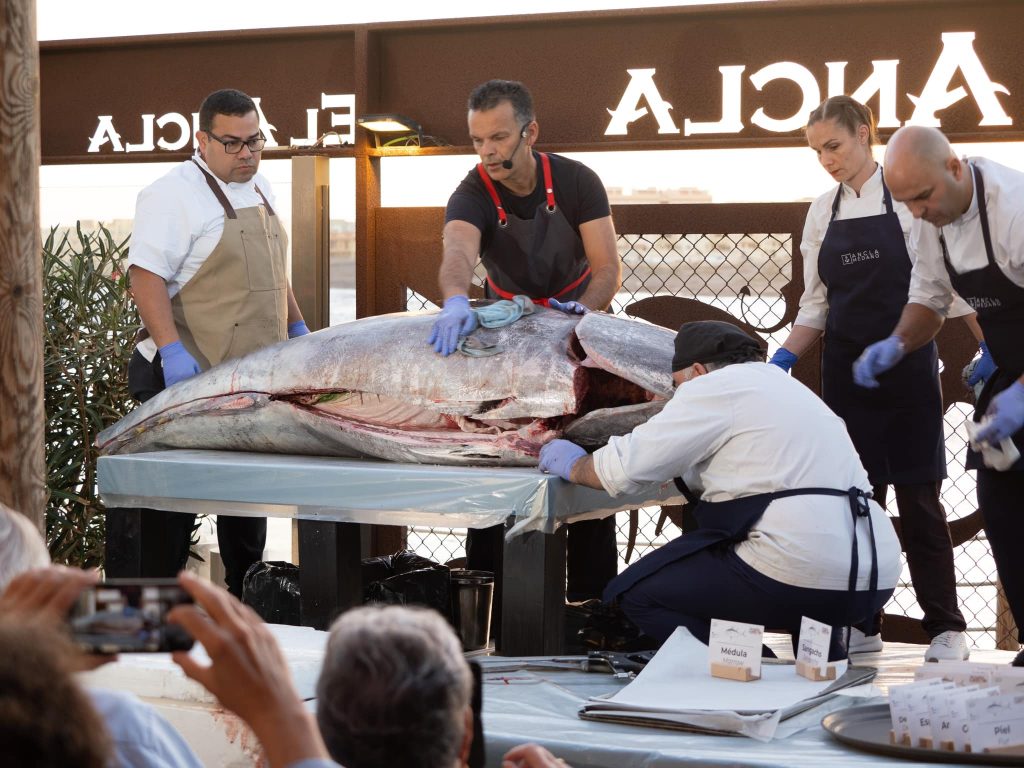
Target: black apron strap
{"type": "Point", "coordinates": [859, 507]}
{"type": "Point", "coordinates": [690, 496]}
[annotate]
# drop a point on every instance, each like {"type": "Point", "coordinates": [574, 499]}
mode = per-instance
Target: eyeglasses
{"type": "Point", "coordinates": [234, 146]}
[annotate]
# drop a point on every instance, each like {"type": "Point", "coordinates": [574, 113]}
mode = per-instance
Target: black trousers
{"type": "Point", "coordinates": [591, 559]}
{"type": "Point", "coordinates": [715, 583]}
{"type": "Point", "coordinates": [1001, 500]}
{"type": "Point", "coordinates": [163, 537]}
{"type": "Point", "coordinates": [924, 536]}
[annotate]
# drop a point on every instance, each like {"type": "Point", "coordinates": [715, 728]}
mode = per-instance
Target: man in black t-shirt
{"type": "Point", "coordinates": [541, 223]}
{"type": "Point", "coordinates": [543, 228]}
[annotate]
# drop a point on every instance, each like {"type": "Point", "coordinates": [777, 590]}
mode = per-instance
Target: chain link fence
{"type": "Point", "coordinates": [744, 274]}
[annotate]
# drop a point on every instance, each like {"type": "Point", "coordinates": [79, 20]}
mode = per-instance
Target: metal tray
{"type": "Point", "coordinates": [868, 728]}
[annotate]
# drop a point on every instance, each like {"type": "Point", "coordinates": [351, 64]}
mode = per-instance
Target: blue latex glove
{"type": "Point", "coordinates": [784, 359]}
{"type": "Point", "coordinates": [456, 319]}
{"type": "Point", "coordinates": [569, 307]}
{"type": "Point", "coordinates": [877, 358]}
{"type": "Point", "coordinates": [296, 329]}
{"type": "Point", "coordinates": [177, 363]}
{"type": "Point", "coordinates": [985, 367]}
{"type": "Point", "coordinates": [1006, 412]}
{"type": "Point", "coordinates": [559, 456]}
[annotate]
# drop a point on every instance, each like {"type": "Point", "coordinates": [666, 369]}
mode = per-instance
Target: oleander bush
{"type": "Point", "coordinates": [89, 327]}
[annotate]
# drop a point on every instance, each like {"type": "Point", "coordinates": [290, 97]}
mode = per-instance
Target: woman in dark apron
{"type": "Point", "coordinates": [857, 275]}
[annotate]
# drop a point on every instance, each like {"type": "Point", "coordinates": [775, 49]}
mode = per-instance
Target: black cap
{"type": "Point", "coordinates": [712, 341]}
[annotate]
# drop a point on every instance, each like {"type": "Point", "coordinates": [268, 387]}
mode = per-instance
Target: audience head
{"type": "Point", "coordinates": [395, 690]}
{"type": "Point", "coordinates": [21, 546]}
{"type": "Point", "coordinates": [46, 719]}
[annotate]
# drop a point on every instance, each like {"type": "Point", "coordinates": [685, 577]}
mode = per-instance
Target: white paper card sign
{"type": "Point", "coordinates": [1009, 679]}
{"type": "Point", "coordinates": [812, 650]}
{"type": "Point", "coordinates": [997, 722]}
{"type": "Point", "coordinates": [940, 709]}
{"type": "Point", "coordinates": [920, 713]}
{"type": "Point", "coordinates": [899, 707]}
{"type": "Point", "coordinates": [960, 721]}
{"type": "Point", "coordinates": [734, 650]}
{"type": "Point", "coordinates": [960, 672]}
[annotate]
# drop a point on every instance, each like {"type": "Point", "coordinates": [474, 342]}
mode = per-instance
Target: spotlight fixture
{"type": "Point", "coordinates": [392, 123]}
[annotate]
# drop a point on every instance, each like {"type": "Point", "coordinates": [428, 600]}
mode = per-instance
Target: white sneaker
{"type": "Point", "coordinates": [861, 643]}
{"type": "Point", "coordinates": [949, 646]}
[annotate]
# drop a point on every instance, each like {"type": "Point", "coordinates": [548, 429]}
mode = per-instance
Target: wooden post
{"type": "Point", "coordinates": [1006, 629]}
{"type": "Point", "coordinates": [22, 418]}
{"type": "Point", "coordinates": [385, 539]}
{"type": "Point", "coordinates": [311, 238]}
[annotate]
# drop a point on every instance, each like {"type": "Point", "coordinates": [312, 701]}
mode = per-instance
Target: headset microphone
{"type": "Point", "coordinates": [507, 164]}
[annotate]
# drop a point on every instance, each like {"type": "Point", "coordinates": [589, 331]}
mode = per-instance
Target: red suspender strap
{"type": "Point", "coordinates": [549, 191]}
{"type": "Point", "coordinates": [506, 295]}
{"type": "Point", "coordinates": [542, 302]}
{"type": "Point", "coordinates": [549, 188]}
{"type": "Point", "coordinates": [573, 284]}
{"type": "Point", "coordinates": [489, 185]}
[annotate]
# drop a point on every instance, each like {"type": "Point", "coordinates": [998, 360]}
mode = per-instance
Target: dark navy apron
{"type": "Point", "coordinates": [896, 428]}
{"type": "Point", "coordinates": [1000, 307]}
{"type": "Point", "coordinates": [726, 523]}
{"type": "Point", "coordinates": [542, 257]}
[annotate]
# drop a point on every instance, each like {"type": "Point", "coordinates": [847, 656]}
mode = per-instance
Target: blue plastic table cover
{"type": "Point", "coordinates": [541, 706]}
{"type": "Point", "coordinates": [356, 490]}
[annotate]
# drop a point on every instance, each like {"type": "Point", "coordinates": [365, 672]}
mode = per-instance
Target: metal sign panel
{"type": "Point", "coordinates": [135, 98]}
{"type": "Point", "coordinates": [697, 76]}
{"type": "Point", "coordinates": [734, 75]}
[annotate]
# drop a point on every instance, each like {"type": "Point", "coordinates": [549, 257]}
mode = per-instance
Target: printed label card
{"type": "Point", "coordinates": [960, 721]}
{"type": "Point", "coordinates": [920, 712]}
{"type": "Point", "coordinates": [812, 651]}
{"type": "Point", "coordinates": [941, 709]}
{"type": "Point", "coordinates": [959, 672]}
{"type": "Point", "coordinates": [997, 723]}
{"type": "Point", "coordinates": [734, 650]}
{"type": "Point", "coordinates": [1009, 679]}
{"type": "Point", "coordinates": [899, 708]}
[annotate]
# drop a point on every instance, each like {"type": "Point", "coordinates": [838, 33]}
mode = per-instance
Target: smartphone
{"type": "Point", "coordinates": [129, 616]}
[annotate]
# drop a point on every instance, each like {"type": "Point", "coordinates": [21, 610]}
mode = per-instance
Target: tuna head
{"type": "Point", "coordinates": [373, 387]}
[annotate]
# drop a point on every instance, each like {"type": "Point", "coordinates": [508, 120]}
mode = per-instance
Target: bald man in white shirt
{"type": "Point", "coordinates": [969, 238]}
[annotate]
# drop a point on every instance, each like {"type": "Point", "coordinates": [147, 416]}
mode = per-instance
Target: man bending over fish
{"type": "Point", "coordinates": [787, 527]}
{"type": "Point", "coordinates": [542, 225]}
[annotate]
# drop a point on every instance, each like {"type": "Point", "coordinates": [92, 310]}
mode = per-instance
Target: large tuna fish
{"type": "Point", "coordinates": [373, 387]}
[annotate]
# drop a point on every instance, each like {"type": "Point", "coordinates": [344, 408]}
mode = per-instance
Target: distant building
{"type": "Point", "coordinates": [621, 196]}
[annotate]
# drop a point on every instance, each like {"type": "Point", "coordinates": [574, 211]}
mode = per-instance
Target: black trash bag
{"type": "Point", "coordinates": [272, 590]}
{"type": "Point", "coordinates": [406, 578]}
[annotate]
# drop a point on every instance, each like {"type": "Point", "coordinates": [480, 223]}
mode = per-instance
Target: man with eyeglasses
{"type": "Point", "coordinates": [208, 272]}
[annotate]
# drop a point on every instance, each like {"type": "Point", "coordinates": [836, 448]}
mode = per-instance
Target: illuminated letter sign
{"type": "Point", "coordinates": [958, 53]}
{"type": "Point", "coordinates": [642, 97]}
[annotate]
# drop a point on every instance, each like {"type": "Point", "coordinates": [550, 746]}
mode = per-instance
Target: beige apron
{"type": "Point", "coordinates": [237, 302]}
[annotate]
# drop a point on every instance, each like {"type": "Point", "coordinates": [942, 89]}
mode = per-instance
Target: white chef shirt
{"type": "Point", "coordinates": [750, 428]}
{"type": "Point", "coordinates": [871, 202]}
{"type": "Point", "coordinates": [178, 221]}
{"type": "Point", "coordinates": [1004, 200]}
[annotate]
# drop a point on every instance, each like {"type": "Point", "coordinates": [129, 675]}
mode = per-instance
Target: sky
{"type": "Point", "coordinates": [79, 192]}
